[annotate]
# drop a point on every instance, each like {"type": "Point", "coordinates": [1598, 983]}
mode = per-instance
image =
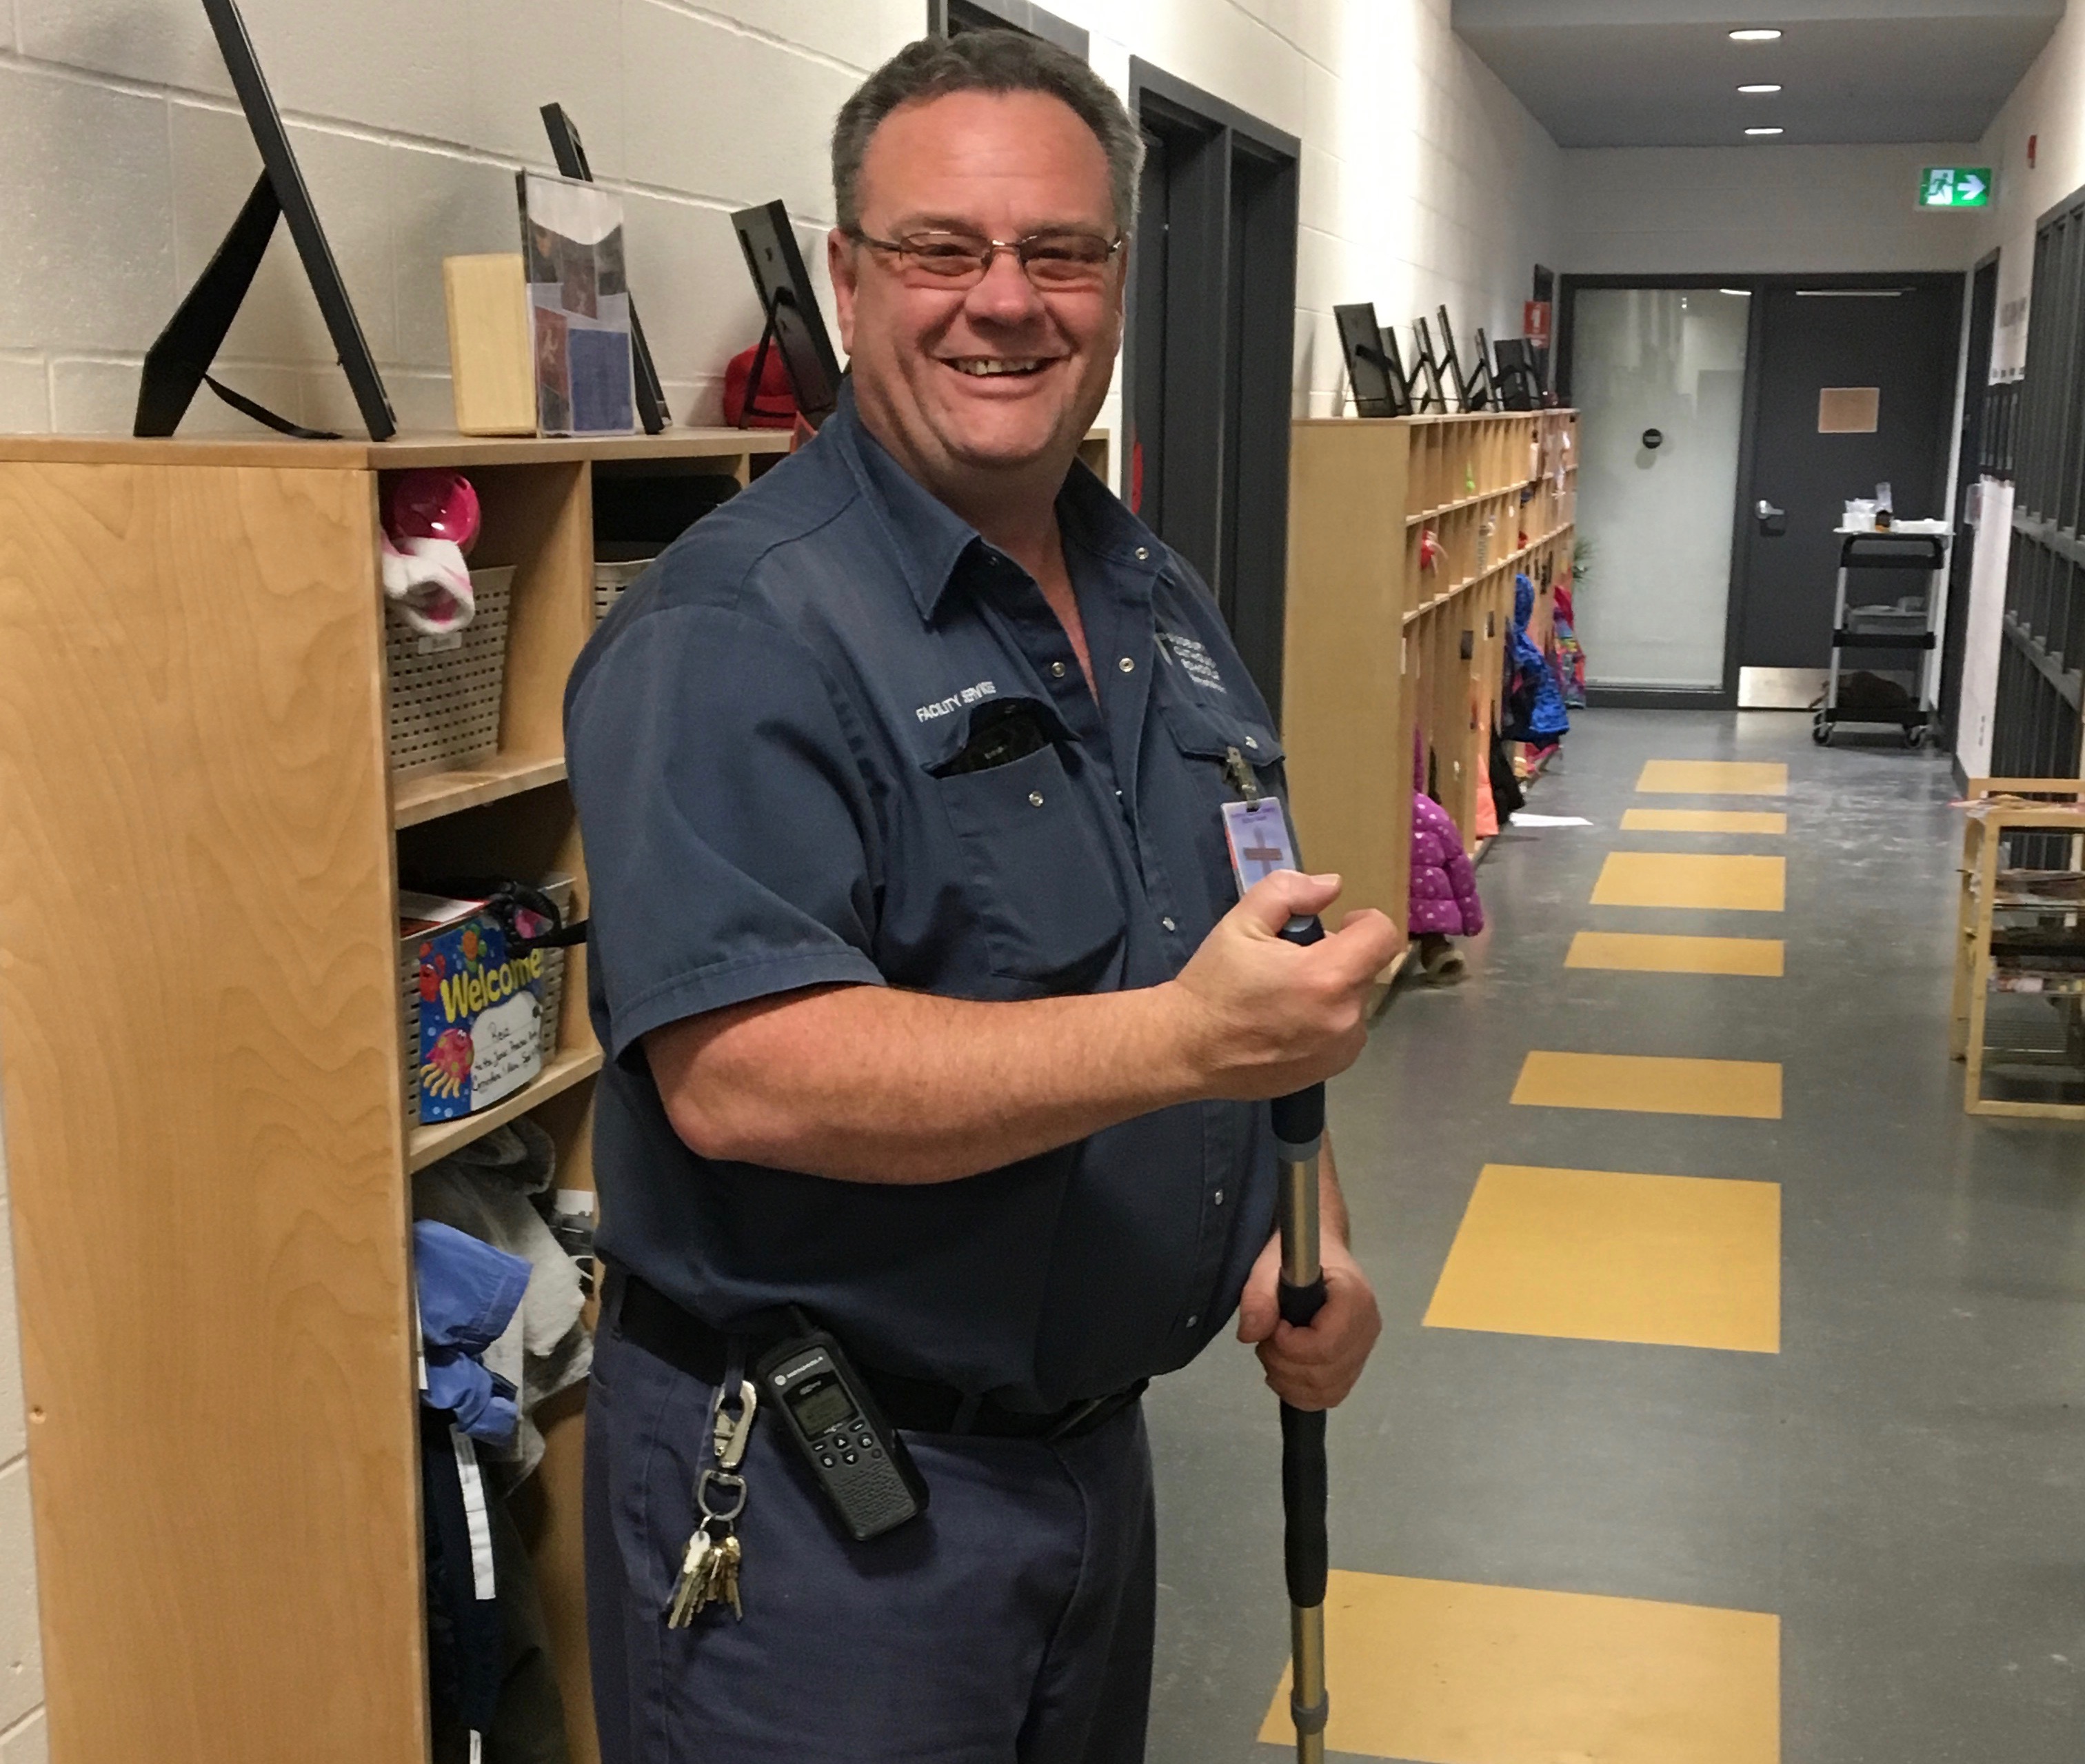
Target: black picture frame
{"type": "Point", "coordinates": [179, 360]}
{"type": "Point", "coordinates": [1451, 367]}
{"type": "Point", "coordinates": [1372, 367]}
{"type": "Point", "coordinates": [1423, 363]}
{"type": "Point", "coordinates": [790, 305]}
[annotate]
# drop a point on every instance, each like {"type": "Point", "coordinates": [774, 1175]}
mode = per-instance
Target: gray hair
{"type": "Point", "coordinates": [988, 61]}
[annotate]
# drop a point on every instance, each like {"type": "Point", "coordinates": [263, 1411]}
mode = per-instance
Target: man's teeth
{"type": "Point", "coordinates": [983, 366]}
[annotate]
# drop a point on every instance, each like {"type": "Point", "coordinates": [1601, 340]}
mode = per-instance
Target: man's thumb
{"type": "Point", "coordinates": [1273, 901]}
{"type": "Point", "coordinates": [1256, 1315]}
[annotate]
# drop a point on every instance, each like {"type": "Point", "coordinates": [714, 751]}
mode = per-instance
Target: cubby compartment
{"type": "Point", "coordinates": [1385, 654]}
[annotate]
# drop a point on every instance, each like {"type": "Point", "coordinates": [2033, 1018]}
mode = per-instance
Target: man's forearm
{"type": "Point", "coordinates": [870, 1084]}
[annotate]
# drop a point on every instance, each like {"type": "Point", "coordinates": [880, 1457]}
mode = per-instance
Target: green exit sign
{"type": "Point", "coordinates": [1954, 186]}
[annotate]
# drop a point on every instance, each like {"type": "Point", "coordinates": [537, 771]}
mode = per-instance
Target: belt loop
{"type": "Point", "coordinates": [967, 1414]}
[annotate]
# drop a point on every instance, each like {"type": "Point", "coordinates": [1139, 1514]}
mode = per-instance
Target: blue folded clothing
{"type": "Point", "coordinates": [468, 1291]}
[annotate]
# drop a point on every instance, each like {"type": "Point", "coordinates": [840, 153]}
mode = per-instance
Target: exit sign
{"type": "Point", "coordinates": [1954, 186]}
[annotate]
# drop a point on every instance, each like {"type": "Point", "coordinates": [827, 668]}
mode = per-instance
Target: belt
{"type": "Point", "coordinates": [653, 1322]}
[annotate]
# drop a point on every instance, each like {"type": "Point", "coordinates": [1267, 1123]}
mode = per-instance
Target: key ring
{"type": "Point", "coordinates": [734, 1487]}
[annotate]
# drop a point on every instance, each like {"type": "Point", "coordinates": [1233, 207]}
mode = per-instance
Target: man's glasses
{"type": "Point", "coordinates": [1055, 262]}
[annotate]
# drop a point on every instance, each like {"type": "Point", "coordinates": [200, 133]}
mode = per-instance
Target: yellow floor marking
{"type": "Point", "coordinates": [1644, 952]}
{"type": "Point", "coordinates": [1651, 1084]}
{"type": "Point", "coordinates": [1728, 883]}
{"type": "Point", "coordinates": [1605, 1255]}
{"type": "Point", "coordinates": [1455, 1673]}
{"type": "Point", "coordinates": [1714, 777]}
{"type": "Point", "coordinates": [1703, 820]}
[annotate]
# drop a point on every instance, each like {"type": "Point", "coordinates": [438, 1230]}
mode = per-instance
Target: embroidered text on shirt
{"type": "Point", "coordinates": [970, 694]}
{"type": "Point", "coordinates": [1195, 658]}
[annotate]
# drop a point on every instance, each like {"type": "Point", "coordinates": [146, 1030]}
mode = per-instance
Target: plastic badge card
{"type": "Point", "coordinates": [481, 1012]}
{"type": "Point", "coordinates": [1258, 835]}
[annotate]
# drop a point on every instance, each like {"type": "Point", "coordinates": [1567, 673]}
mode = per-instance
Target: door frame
{"type": "Point", "coordinates": [1756, 285]}
{"type": "Point", "coordinates": [1248, 422]}
{"type": "Point", "coordinates": [1969, 424]}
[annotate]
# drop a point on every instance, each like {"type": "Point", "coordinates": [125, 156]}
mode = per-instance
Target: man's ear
{"type": "Point", "coordinates": [840, 264]}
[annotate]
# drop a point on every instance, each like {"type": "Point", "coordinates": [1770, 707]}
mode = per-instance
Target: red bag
{"type": "Point", "coordinates": [774, 406]}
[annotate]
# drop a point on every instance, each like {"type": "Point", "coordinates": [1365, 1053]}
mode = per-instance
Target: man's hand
{"type": "Point", "coordinates": [1260, 1017]}
{"type": "Point", "coordinates": [1316, 1367]}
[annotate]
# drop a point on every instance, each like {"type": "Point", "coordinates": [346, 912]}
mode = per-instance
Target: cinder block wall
{"type": "Point", "coordinates": [1423, 181]}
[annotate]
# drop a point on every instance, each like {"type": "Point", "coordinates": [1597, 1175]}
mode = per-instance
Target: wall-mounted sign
{"type": "Point", "coordinates": [1954, 186]}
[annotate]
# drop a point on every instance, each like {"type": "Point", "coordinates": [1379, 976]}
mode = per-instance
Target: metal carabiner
{"type": "Point", "coordinates": [730, 1433]}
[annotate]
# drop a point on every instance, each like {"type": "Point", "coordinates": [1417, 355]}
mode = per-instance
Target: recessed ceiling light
{"type": "Point", "coordinates": [1742, 294]}
{"type": "Point", "coordinates": [1755, 37]}
{"type": "Point", "coordinates": [1759, 89]}
{"type": "Point", "coordinates": [1762, 131]}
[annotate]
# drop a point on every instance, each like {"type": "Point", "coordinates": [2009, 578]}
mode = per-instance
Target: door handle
{"type": "Point", "coordinates": [1773, 521]}
{"type": "Point", "coordinates": [1766, 511]}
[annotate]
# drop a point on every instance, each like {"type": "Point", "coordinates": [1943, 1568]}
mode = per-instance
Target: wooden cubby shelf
{"type": "Point", "coordinates": [1384, 658]}
{"type": "Point", "coordinates": [203, 1048]}
{"type": "Point", "coordinates": [425, 1145]}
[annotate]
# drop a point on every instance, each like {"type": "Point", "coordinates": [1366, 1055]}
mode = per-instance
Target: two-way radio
{"type": "Point", "coordinates": [859, 1459]}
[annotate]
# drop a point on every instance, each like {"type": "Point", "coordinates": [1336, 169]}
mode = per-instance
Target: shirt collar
{"type": "Point", "coordinates": [931, 539]}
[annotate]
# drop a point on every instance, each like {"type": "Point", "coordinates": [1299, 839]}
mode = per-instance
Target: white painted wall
{"type": "Point", "coordinates": [1759, 209]}
{"type": "Point", "coordinates": [1423, 181]}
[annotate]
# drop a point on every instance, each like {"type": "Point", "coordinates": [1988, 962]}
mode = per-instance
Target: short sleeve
{"type": "Point", "coordinates": [728, 830]}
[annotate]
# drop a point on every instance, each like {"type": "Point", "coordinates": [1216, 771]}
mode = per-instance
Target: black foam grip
{"type": "Point", "coordinates": [1299, 1304]}
{"type": "Point", "coordinates": [1299, 1117]}
{"type": "Point", "coordinates": [1303, 1546]}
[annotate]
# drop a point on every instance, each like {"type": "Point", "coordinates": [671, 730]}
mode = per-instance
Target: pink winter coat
{"type": "Point", "coordinates": [1444, 881]}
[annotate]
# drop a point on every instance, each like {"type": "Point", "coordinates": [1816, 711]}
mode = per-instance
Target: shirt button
{"type": "Point", "coordinates": [1219, 1197]}
{"type": "Point", "coordinates": [1143, 552]}
{"type": "Point", "coordinates": [1035, 797]}
{"type": "Point", "coordinates": [1194, 1317]}
{"type": "Point", "coordinates": [1057, 670]}
{"type": "Point", "coordinates": [1127, 665]}
{"type": "Point", "coordinates": [1251, 743]}
{"type": "Point", "coordinates": [1168, 924]}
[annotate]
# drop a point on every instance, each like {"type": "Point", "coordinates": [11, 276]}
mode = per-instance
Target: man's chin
{"type": "Point", "coordinates": [1003, 440]}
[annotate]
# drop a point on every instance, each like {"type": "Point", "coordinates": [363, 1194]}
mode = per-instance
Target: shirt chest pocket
{"type": "Point", "coordinates": [1040, 885]}
{"type": "Point", "coordinates": [1214, 742]}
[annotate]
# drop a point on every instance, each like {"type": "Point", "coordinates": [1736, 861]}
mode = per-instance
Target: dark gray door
{"type": "Point", "coordinates": [1207, 368]}
{"type": "Point", "coordinates": [1900, 343]}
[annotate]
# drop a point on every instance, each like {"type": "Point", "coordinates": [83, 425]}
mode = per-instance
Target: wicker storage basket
{"type": "Point", "coordinates": [560, 889]}
{"type": "Point", "coordinates": [444, 697]}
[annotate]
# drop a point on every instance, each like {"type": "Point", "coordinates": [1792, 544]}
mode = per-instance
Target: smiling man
{"type": "Point", "coordinates": [933, 1018]}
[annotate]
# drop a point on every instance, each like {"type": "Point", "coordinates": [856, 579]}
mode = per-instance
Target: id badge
{"type": "Point", "coordinates": [1258, 835]}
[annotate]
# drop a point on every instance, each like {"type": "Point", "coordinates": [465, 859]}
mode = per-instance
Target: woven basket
{"type": "Point", "coordinates": [444, 697]}
{"type": "Point", "coordinates": [409, 998]}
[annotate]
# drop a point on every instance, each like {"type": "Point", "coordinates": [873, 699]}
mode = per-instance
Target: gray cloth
{"type": "Point", "coordinates": [484, 1189]}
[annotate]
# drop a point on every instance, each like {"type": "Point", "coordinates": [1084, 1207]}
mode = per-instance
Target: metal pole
{"type": "Point", "coordinates": [1299, 1129]}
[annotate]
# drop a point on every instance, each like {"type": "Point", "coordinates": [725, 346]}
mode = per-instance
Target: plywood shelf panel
{"type": "Point", "coordinates": [571, 1066]}
{"type": "Point", "coordinates": [430, 795]}
{"type": "Point", "coordinates": [462, 451]}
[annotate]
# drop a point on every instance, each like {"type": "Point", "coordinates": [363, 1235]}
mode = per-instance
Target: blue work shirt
{"type": "Point", "coordinates": [758, 737]}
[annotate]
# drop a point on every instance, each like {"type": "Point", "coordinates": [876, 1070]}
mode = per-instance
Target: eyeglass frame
{"type": "Point", "coordinates": [993, 247]}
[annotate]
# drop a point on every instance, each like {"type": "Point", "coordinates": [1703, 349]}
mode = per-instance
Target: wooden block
{"type": "Point", "coordinates": [489, 360]}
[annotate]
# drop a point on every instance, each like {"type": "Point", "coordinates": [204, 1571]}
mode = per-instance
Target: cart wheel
{"type": "Point", "coordinates": [1915, 736]}
{"type": "Point", "coordinates": [1820, 732]}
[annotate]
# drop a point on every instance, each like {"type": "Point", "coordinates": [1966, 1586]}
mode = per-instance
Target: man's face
{"type": "Point", "coordinates": [999, 166]}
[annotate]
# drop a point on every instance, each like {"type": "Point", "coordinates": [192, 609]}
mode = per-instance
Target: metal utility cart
{"type": "Point", "coordinates": [1906, 628]}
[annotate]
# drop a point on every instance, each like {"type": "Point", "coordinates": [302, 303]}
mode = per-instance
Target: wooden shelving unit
{"type": "Point", "coordinates": [2021, 931]}
{"type": "Point", "coordinates": [1381, 647]}
{"type": "Point", "coordinates": [200, 849]}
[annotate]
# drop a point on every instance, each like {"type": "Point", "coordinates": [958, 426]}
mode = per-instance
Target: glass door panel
{"type": "Point", "coordinates": [1658, 376]}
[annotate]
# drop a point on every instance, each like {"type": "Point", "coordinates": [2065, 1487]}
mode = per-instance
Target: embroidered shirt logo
{"type": "Point", "coordinates": [1195, 658]}
{"type": "Point", "coordinates": [955, 701]}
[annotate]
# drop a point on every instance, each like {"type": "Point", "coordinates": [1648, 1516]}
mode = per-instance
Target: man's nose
{"type": "Point", "coordinates": [1003, 294]}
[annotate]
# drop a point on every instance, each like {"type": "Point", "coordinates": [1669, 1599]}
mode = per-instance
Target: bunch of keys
{"type": "Point", "coordinates": [709, 1571]}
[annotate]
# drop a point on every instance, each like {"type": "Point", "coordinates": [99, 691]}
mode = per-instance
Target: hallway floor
{"type": "Point", "coordinates": [1730, 1403]}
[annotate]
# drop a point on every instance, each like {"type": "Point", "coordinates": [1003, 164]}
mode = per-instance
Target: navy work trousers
{"type": "Point", "coordinates": [1010, 1624]}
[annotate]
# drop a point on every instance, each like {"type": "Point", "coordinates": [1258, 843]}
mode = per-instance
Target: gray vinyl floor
{"type": "Point", "coordinates": [1899, 1484]}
